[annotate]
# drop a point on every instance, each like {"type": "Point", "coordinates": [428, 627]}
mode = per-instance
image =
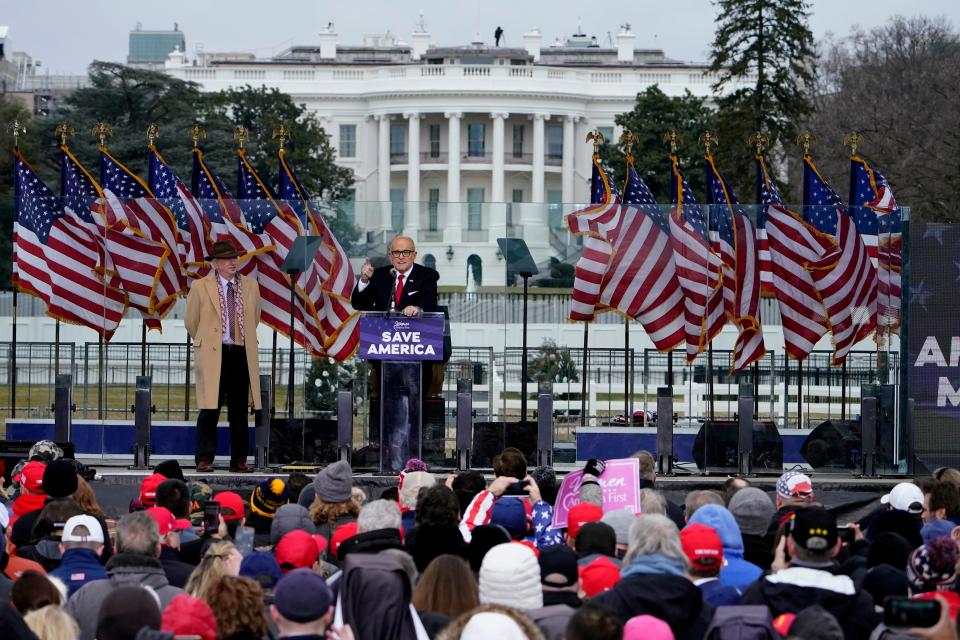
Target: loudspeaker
{"type": "Point", "coordinates": [490, 438]}
{"type": "Point", "coordinates": [310, 440]}
{"type": "Point", "coordinates": [715, 447]}
{"type": "Point", "coordinates": [833, 444]}
{"type": "Point", "coordinates": [13, 451]}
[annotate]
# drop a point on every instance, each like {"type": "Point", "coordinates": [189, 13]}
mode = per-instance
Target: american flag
{"type": "Point", "coordinates": [141, 238]}
{"type": "Point", "coordinates": [57, 255]}
{"type": "Point", "coordinates": [698, 266]}
{"type": "Point", "coordinates": [639, 278]}
{"type": "Point", "coordinates": [878, 221]}
{"type": "Point", "coordinates": [268, 219]}
{"type": "Point", "coordinates": [763, 244]}
{"type": "Point", "coordinates": [596, 254]}
{"type": "Point", "coordinates": [845, 277]}
{"type": "Point", "coordinates": [194, 230]}
{"type": "Point", "coordinates": [328, 280]}
{"type": "Point", "coordinates": [793, 245]}
{"type": "Point", "coordinates": [224, 215]}
{"type": "Point", "coordinates": [736, 243]}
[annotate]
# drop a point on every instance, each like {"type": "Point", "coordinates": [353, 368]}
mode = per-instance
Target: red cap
{"type": "Point", "coordinates": [189, 616]}
{"type": "Point", "coordinates": [164, 519]}
{"type": "Point", "coordinates": [343, 533]}
{"type": "Point", "coordinates": [598, 576]}
{"type": "Point", "coordinates": [231, 505]}
{"type": "Point", "coordinates": [148, 489]}
{"type": "Point", "coordinates": [702, 546]}
{"type": "Point", "coordinates": [31, 476]}
{"type": "Point", "coordinates": [580, 515]}
{"type": "Point", "coordinates": [299, 550]}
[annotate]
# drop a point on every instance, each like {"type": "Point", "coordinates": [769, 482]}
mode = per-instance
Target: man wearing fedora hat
{"type": "Point", "coordinates": [223, 311]}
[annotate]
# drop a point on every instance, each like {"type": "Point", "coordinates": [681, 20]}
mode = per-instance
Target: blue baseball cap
{"type": "Point", "coordinates": [262, 567]}
{"type": "Point", "coordinates": [509, 513]}
{"type": "Point", "coordinates": [302, 596]}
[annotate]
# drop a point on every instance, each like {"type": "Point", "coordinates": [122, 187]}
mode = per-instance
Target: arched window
{"type": "Point", "coordinates": [474, 270]}
{"type": "Point", "coordinates": [430, 261]}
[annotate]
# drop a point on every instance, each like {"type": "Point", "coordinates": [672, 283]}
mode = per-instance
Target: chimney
{"type": "Point", "coordinates": [625, 41]}
{"type": "Point", "coordinates": [421, 42]}
{"type": "Point", "coordinates": [531, 42]}
{"type": "Point", "coordinates": [328, 43]}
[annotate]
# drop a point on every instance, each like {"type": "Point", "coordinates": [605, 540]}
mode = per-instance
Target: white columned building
{"type": "Point", "coordinates": [457, 146]}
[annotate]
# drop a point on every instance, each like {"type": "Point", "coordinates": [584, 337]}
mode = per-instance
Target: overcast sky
{"type": "Point", "coordinates": [66, 35]}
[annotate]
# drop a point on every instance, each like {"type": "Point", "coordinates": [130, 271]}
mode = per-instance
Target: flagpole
{"type": "Point", "coordinates": [804, 141]}
{"type": "Point", "coordinates": [16, 128]}
{"type": "Point", "coordinates": [273, 373]}
{"type": "Point", "coordinates": [56, 348]}
{"type": "Point", "coordinates": [186, 384]}
{"type": "Point", "coordinates": [759, 141]}
{"type": "Point", "coordinates": [627, 140]}
{"type": "Point", "coordinates": [586, 372]}
{"type": "Point", "coordinates": [100, 373]}
{"type": "Point", "coordinates": [852, 140]}
{"type": "Point", "coordinates": [143, 347]}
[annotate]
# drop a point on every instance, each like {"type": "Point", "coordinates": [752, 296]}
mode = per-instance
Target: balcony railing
{"type": "Point", "coordinates": [443, 157]}
{"type": "Point", "coordinates": [480, 158]}
{"type": "Point", "coordinates": [429, 157]}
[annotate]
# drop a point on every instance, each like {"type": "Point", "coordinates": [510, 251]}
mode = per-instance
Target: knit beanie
{"type": "Point", "coordinates": [267, 497]}
{"type": "Point", "coordinates": [334, 483]}
{"type": "Point", "coordinates": [752, 509]}
{"type": "Point", "coordinates": [646, 627]}
{"type": "Point", "coordinates": [59, 479]}
{"type": "Point", "coordinates": [889, 548]}
{"type": "Point", "coordinates": [510, 575]}
{"type": "Point", "coordinates": [189, 616]}
{"type": "Point", "coordinates": [936, 529]}
{"type": "Point", "coordinates": [884, 580]}
{"type": "Point", "coordinates": [484, 538]}
{"type": "Point", "coordinates": [933, 566]}
{"type": "Point", "coordinates": [126, 610]}
{"type": "Point", "coordinates": [620, 521]}
{"type": "Point", "coordinates": [492, 624]}
{"type": "Point", "coordinates": [816, 623]}
{"type": "Point", "coordinates": [290, 517]}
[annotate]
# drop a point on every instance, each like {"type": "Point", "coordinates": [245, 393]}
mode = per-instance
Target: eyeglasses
{"type": "Point", "coordinates": [405, 253]}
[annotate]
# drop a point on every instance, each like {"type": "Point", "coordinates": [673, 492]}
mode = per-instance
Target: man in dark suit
{"type": "Point", "coordinates": [416, 285]}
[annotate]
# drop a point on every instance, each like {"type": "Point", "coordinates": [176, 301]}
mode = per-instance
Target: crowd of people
{"type": "Point", "coordinates": [459, 557]}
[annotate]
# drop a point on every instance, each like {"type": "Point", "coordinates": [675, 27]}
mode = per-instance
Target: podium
{"type": "Point", "coordinates": [400, 344]}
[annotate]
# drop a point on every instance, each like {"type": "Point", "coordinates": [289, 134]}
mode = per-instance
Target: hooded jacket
{"type": "Point", "coordinates": [124, 569]}
{"type": "Point", "coordinates": [374, 598]}
{"type": "Point", "coordinates": [673, 599]}
{"type": "Point", "coordinates": [796, 588]}
{"type": "Point", "coordinates": [736, 572]}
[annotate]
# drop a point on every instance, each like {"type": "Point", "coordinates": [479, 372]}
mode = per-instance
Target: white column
{"type": "Point", "coordinates": [453, 222]}
{"type": "Point", "coordinates": [412, 222]}
{"type": "Point", "coordinates": [566, 169]}
{"type": "Point", "coordinates": [496, 180]}
{"type": "Point", "coordinates": [383, 171]}
{"type": "Point", "coordinates": [537, 186]}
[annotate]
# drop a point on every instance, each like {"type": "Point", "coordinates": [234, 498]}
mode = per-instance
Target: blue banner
{"type": "Point", "coordinates": [401, 338]}
{"type": "Point", "coordinates": [933, 349]}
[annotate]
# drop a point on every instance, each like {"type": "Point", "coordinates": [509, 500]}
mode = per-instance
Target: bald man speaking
{"type": "Point", "coordinates": [412, 288]}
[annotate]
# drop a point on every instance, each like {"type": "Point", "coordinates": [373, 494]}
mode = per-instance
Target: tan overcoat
{"type": "Point", "coordinates": [203, 325]}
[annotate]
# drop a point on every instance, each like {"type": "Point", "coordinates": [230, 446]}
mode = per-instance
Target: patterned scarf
{"type": "Point", "coordinates": [238, 307]}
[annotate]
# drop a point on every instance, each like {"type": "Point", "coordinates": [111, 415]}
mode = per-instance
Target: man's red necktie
{"type": "Point", "coordinates": [399, 289]}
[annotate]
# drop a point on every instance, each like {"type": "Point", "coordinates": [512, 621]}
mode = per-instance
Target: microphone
{"type": "Point", "coordinates": [393, 290]}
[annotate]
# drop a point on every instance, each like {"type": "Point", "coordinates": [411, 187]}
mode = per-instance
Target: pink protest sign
{"type": "Point", "coordinates": [621, 489]}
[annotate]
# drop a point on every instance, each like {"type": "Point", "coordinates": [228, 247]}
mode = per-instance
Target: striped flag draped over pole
{"type": "Point", "coordinates": [845, 277]}
{"type": "Point", "coordinates": [140, 229]}
{"type": "Point", "coordinates": [794, 245]}
{"type": "Point", "coordinates": [225, 217]}
{"type": "Point", "coordinates": [878, 221]}
{"type": "Point", "coordinates": [194, 237]}
{"type": "Point", "coordinates": [635, 271]}
{"type": "Point", "coordinates": [328, 279]}
{"type": "Point", "coordinates": [57, 254]}
{"type": "Point", "coordinates": [698, 266]}
{"type": "Point", "coordinates": [736, 243]}
{"type": "Point", "coordinates": [268, 219]}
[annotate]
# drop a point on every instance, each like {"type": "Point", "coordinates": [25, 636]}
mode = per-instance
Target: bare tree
{"type": "Point", "coordinates": [898, 86]}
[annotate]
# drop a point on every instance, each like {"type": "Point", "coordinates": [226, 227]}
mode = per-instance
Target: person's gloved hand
{"type": "Point", "coordinates": [594, 467]}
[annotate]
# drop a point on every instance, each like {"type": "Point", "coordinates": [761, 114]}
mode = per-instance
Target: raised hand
{"type": "Point", "coordinates": [366, 270]}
